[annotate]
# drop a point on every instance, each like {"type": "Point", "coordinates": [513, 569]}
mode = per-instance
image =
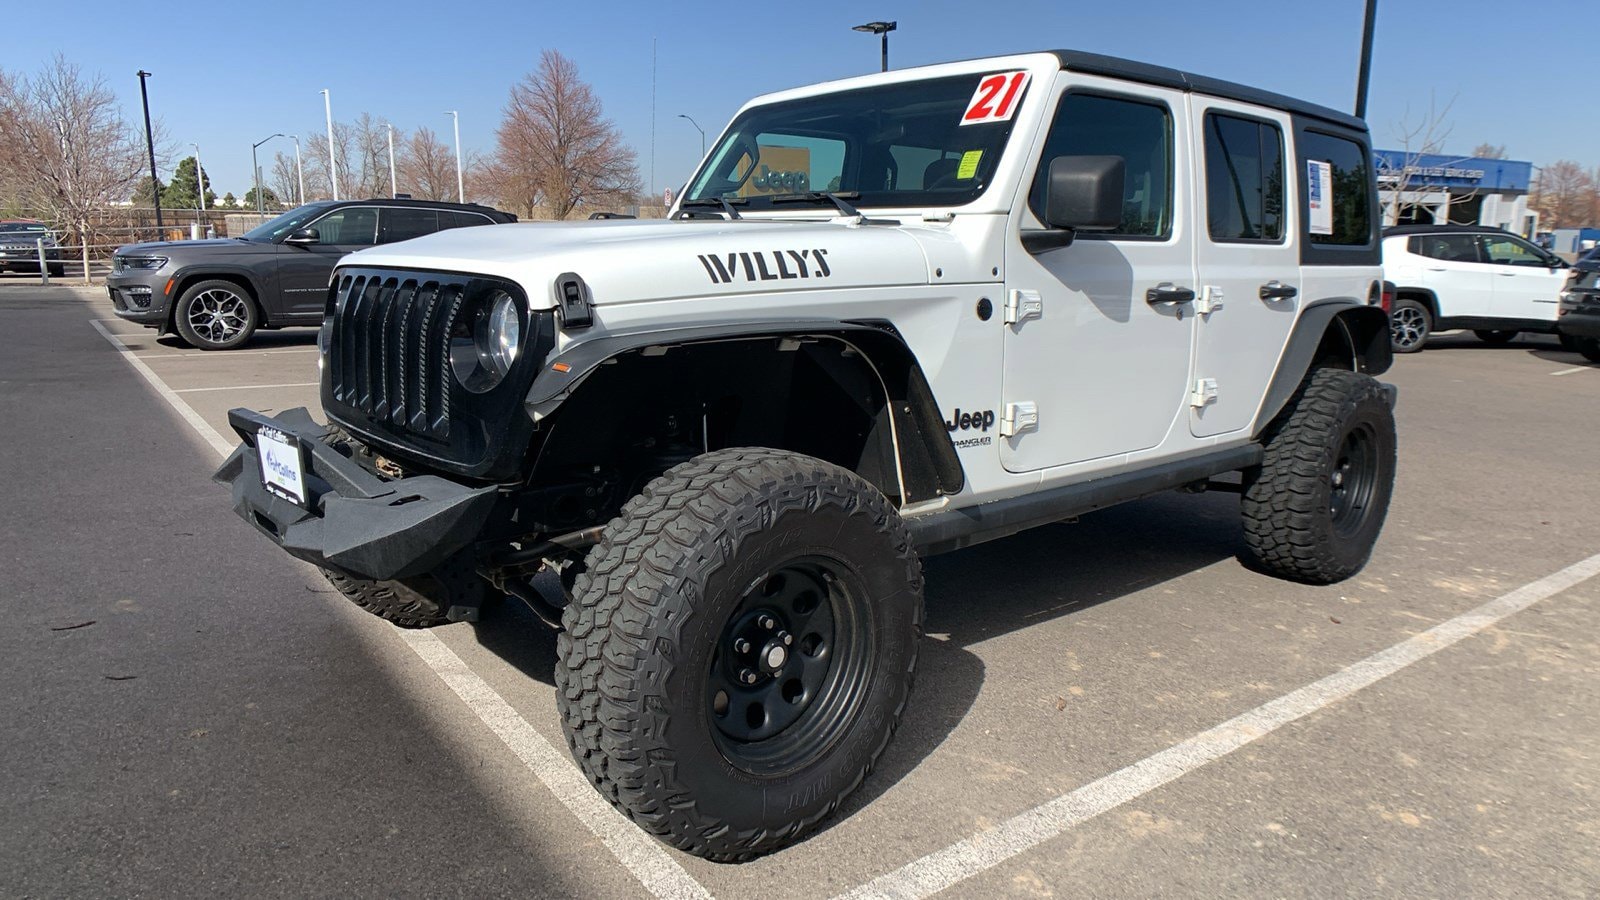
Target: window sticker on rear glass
{"type": "Point", "coordinates": [996, 98]}
{"type": "Point", "coordinates": [1319, 194]}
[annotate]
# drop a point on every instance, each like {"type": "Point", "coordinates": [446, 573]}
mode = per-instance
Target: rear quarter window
{"type": "Point", "coordinates": [1338, 201]}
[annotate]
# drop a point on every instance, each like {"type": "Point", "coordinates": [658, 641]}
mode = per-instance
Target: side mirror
{"type": "Point", "coordinates": [303, 236]}
{"type": "Point", "coordinates": [1084, 193]}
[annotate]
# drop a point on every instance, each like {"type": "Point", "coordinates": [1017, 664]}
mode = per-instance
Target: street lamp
{"type": "Point", "coordinates": [333, 167]}
{"type": "Point", "coordinates": [199, 176]}
{"type": "Point", "coordinates": [394, 189]}
{"type": "Point", "coordinates": [461, 190]}
{"type": "Point", "coordinates": [881, 29]}
{"type": "Point", "coordinates": [702, 134]}
{"type": "Point", "coordinates": [150, 144]}
{"type": "Point", "coordinates": [256, 167]}
{"type": "Point", "coordinates": [299, 173]}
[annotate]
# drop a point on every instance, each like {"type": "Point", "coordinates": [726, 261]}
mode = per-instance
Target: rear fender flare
{"type": "Point", "coordinates": [1356, 333]}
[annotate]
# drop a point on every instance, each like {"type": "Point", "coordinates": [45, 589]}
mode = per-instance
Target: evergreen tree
{"type": "Point", "coordinates": [229, 201]}
{"type": "Point", "coordinates": [144, 197]}
{"type": "Point", "coordinates": [184, 190]}
{"type": "Point", "coordinates": [269, 200]}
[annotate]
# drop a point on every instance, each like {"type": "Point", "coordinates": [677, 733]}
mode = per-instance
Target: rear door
{"type": "Point", "coordinates": [1100, 348]}
{"type": "Point", "coordinates": [1452, 269]}
{"type": "Point", "coordinates": [1248, 269]}
{"type": "Point", "coordinates": [304, 269]}
{"type": "Point", "coordinates": [1526, 283]}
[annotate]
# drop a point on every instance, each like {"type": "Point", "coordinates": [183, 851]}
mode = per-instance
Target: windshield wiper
{"type": "Point", "coordinates": [721, 203]}
{"type": "Point", "coordinates": [837, 198]}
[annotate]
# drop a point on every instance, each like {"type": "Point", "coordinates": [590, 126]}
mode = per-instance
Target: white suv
{"type": "Point", "coordinates": [1468, 276]}
{"type": "Point", "coordinates": [891, 316]}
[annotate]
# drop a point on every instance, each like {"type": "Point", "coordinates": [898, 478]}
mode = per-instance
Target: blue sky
{"type": "Point", "coordinates": [228, 74]}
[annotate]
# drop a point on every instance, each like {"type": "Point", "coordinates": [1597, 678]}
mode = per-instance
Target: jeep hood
{"type": "Point", "coordinates": [639, 260]}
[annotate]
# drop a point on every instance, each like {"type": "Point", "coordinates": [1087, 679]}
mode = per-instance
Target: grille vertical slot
{"type": "Point", "coordinates": [392, 352]}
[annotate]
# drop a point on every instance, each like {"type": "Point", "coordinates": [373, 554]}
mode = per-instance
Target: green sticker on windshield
{"type": "Point", "coordinates": [969, 164]}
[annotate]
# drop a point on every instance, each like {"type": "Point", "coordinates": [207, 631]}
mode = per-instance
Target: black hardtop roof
{"type": "Point", "coordinates": [1394, 230]}
{"type": "Point", "coordinates": [1146, 73]}
{"type": "Point", "coordinates": [412, 201]}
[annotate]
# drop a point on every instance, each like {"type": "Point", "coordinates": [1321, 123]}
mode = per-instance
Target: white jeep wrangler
{"type": "Point", "coordinates": [890, 316]}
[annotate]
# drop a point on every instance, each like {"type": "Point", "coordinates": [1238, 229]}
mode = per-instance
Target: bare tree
{"type": "Point", "coordinates": [64, 147]}
{"type": "Point", "coordinates": [318, 185]}
{"type": "Point", "coordinates": [1566, 196]}
{"type": "Point", "coordinates": [1419, 137]}
{"type": "Point", "coordinates": [428, 170]}
{"type": "Point", "coordinates": [556, 148]}
{"type": "Point", "coordinates": [370, 140]}
{"type": "Point", "coordinates": [284, 180]}
{"type": "Point", "coordinates": [1489, 151]}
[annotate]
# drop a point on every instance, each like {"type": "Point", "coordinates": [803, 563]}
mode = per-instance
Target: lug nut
{"type": "Point", "coordinates": [748, 676]}
{"type": "Point", "coordinates": [740, 645]}
{"type": "Point", "coordinates": [768, 623]}
{"type": "Point", "coordinates": [786, 637]}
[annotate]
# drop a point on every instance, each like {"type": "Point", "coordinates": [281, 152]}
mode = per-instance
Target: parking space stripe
{"type": "Point", "coordinates": [644, 858]}
{"type": "Point", "coordinates": [206, 432]}
{"type": "Point", "coordinates": [964, 859]}
{"type": "Point", "coordinates": [1573, 370]}
{"type": "Point", "coordinates": [245, 387]}
{"type": "Point", "coordinates": [231, 354]}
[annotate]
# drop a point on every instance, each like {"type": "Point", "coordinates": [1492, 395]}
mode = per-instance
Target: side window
{"type": "Point", "coordinates": [1244, 179]}
{"type": "Point", "coordinates": [1508, 251]}
{"type": "Point", "coordinates": [355, 226]}
{"type": "Point", "coordinates": [1449, 247]}
{"type": "Point", "coordinates": [405, 224]}
{"type": "Point", "coordinates": [452, 219]}
{"type": "Point", "coordinates": [1140, 132]}
{"type": "Point", "coordinates": [1338, 187]}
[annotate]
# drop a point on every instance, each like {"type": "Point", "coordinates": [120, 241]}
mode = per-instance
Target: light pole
{"type": "Point", "coordinates": [1364, 77]}
{"type": "Point", "coordinates": [881, 29]}
{"type": "Point", "coordinates": [333, 166]}
{"type": "Point", "coordinates": [150, 144]}
{"type": "Point", "coordinates": [299, 173]}
{"type": "Point", "coordinates": [199, 176]}
{"type": "Point", "coordinates": [702, 134]}
{"type": "Point", "coordinates": [256, 168]}
{"type": "Point", "coordinates": [461, 190]}
{"type": "Point", "coordinates": [394, 188]}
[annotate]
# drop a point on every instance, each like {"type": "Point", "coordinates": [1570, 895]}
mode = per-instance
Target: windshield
{"type": "Point", "coordinates": [923, 143]}
{"type": "Point", "coordinates": [276, 229]}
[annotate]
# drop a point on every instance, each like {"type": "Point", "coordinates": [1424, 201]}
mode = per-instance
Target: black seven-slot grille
{"type": "Point", "coordinates": [390, 357]}
{"type": "Point", "coordinates": [388, 378]}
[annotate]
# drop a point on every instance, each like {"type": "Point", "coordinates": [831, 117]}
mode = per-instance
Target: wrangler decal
{"type": "Point", "coordinates": [761, 265]}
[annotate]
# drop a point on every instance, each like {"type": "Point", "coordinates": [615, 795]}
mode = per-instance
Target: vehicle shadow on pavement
{"type": "Point", "coordinates": [1562, 357]}
{"type": "Point", "coordinates": [289, 338]}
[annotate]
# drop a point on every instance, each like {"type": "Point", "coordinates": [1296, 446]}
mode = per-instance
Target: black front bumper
{"type": "Point", "coordinates": [357, 522]}
{"type": "Point", "coordinates": [1582, 317]}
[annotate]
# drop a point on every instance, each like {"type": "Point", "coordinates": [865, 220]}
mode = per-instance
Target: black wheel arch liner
{"type": "Point", "coordinates": [1361, 328]}
{"type": "Point", "coordinates": [928, 460]}
{"type": "Point", "coordinates": [1407, 291]}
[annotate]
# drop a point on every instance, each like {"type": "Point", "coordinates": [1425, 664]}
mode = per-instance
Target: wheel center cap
{"type": "Point", "coordinates": [773, 656]}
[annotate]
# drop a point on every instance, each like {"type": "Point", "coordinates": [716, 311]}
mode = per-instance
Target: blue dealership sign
{"type": "Point", "coordinates": [1425, 170]}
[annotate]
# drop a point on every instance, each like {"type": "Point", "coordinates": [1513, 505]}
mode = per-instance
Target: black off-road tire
{"type": "Point", "coordinates": [1410, 325]}
{"type": "Point", "coordinates": [389, 600]}
{"type": "Point", "coordinates": [1568, 342]}
{"type": "Point", "coordinates": [1495, 337]}
{"type": "Point", "coordinates": [1589, 348]}
{"type": "Point", "coordinates": [228, 315]}
{"type": "Point", "coordinates": [639, 659]}
{"type": "Point", "coordinates": [1313, 509]}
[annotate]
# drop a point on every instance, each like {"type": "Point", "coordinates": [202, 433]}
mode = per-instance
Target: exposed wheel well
{"type": "Point", "coordinates": [649, 409]}
{"type": "Point", "coordinates": [1421, 295]}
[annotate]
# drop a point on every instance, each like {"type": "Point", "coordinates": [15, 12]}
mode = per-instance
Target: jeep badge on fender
{"type": "Point", "coordinates": [734, 440]}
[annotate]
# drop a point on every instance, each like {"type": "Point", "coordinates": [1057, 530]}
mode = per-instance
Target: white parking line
{"type": "Point", "coordinates": [644, 858]}
{"type": "Point", "coordinates": [246, 387]}
{"type": "Point", "coordinates": [230, 354]}
{"type": "Point", "coordinates": [1573, 370]}
{"type": "Point", "coordinates": [964, 859]}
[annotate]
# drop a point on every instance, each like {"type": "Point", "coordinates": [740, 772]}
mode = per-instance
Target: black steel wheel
{"type": "Point", "coordinates": [740, 648]}
{"type": "Point", "coordinates": [215, 315]}
{"type": "Point", "coordinates": [1410, 323]}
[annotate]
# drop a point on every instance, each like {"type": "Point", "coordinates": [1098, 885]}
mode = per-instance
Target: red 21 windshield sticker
{"type": "Point", "coordinates": [996, 98]}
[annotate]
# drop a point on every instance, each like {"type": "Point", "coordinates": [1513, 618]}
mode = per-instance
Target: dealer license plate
{"type": "Point", "coordinates": [281, 465]}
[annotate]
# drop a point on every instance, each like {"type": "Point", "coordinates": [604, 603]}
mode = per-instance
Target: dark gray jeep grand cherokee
{"type": "Point", "coordinates": [215, 294]}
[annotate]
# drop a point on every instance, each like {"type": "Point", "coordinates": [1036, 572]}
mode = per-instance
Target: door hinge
{"type": "Point", "coordinates": [1210, 300]}
{"type": "Point", "coordinates": [1204, 393]}
{"type": "Point", "coordinates": [1022, 305]}
{"type": "Point", "coordinates": [1019, 417]}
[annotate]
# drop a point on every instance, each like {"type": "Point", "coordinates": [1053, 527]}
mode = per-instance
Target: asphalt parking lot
{"type": "Point", "coordinates": [1115, 707]}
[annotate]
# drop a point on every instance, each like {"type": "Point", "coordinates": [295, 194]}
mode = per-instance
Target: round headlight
{"type": "Point", "coordinates": [503, 334]}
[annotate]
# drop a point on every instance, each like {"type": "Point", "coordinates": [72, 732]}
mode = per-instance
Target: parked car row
{"type": "Point", "coordinates": [19, 246]}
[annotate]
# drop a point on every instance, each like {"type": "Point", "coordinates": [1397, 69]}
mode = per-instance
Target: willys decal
{"type": "Point", "coordinates": [766, 265]}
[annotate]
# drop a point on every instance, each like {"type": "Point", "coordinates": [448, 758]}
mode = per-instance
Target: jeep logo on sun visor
{"type": "Point", "coordinates": [762, 265]}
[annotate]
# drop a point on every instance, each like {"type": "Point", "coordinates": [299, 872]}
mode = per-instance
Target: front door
{"type": "Point", "coordinates": [303, 269]}
{"type": "Point", "coordinates": [1249, 270]}
{"type": "Point", "coordinates": [1461, 283]}
{"type": "Point", "coordinates": [1526, 284]}
{"type": "Point", "coordinates": [1105, 359]}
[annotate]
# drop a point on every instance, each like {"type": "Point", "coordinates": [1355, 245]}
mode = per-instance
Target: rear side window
{"type": "Point", "coordinates": [1244, 179]}
{"type": "Point", "coordinates": [453, 219]}
{"type": "Point", "coordinates": [1138, 131]}
{"type": "Point", "coordinates": [1338, 186]}
{"type": "Point", "coordinates": [405, 224]}
{"type": "Point", "coordinates": [1448, 247]}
